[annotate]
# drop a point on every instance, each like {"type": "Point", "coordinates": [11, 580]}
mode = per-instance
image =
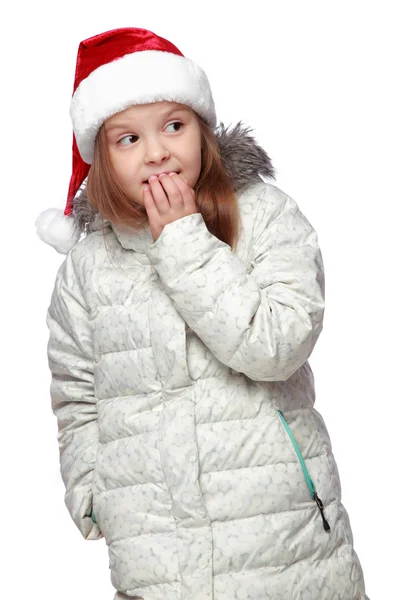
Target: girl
{"type": "Point", "coordinates": [180, 331]}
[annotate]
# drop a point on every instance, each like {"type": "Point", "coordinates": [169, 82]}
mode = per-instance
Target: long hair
{"type": "Point", "coordinates": [215, 195]}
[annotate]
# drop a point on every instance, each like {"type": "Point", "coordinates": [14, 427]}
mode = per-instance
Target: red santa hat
{"type": "Point", "coordinates": [114, 70]}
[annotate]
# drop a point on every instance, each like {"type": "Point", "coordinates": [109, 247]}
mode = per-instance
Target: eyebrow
{"type": "Point", "coordinates": [165, 114]}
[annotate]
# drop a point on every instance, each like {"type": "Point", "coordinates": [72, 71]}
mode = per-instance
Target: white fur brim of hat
{"type": "Point", "coordinates": [137, 78]}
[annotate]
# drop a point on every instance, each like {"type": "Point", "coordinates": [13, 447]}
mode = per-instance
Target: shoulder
{"type": "Point", "coordinates": [265, 197]}
{"type": "Point", "coordinates": [89, 252]}
{"type": "Point", "coordinates": [260, 203]}
{"type": "Point", "coordinates": [276, 216]}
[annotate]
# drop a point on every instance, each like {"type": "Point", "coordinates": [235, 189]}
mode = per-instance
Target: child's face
{"type": "Point", "coordinates": [144, 140]}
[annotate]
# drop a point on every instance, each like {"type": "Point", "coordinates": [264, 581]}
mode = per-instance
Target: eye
{"type": "Point", "coordinates": [127, 137]}
{"type": "Point", "coordinates": [176, 123]}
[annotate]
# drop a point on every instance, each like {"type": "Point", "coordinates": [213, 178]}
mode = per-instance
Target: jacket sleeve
{"type": "Point", "coordinates": [262, 319]}
{"type": "Point", "coordinates": [70, 358]}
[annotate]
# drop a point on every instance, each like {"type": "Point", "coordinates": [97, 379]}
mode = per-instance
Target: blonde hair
{"type": "Point", "coordinates": [215, 194]}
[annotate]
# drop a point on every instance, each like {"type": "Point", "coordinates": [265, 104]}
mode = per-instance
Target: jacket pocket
{"type": "Point", "coordinates": [309, 481]}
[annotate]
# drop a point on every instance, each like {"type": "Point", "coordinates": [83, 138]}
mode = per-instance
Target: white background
{"type": "Point", "coordinates": [317, 82]}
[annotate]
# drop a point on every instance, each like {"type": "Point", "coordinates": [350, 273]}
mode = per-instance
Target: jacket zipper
{"type": "Point", "coordinates": [92, 515]}
{"type": "Point", "coordinates": [310, 484]}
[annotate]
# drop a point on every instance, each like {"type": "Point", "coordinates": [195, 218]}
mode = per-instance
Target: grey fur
{"type": "Point", "coordinates": [244, 161]}
{"type": "Point", "coordinates": [243, 158]}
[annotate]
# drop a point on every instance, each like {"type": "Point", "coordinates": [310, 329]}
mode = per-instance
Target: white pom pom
{"type": "Point", "coordinates": [57, 230]}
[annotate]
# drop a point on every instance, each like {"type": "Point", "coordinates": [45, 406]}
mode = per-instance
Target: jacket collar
{"type": "Point", "coordinates": [137, 240]}
{"type": "Point", "coordinates": [244, 161]}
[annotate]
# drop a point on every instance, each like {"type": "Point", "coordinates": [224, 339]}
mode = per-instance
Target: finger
{"type": "Point", "coordinates": [175, 197]}
{"type": "Point", "coordinates": [149, 204]}
{"type": "Point", "coordinates": [159, 194]}
{"type": "Point", "coordinates": [187, 192]}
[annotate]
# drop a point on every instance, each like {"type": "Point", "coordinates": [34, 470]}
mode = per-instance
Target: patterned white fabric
{"type": "Point", "coordinates": [169, 362]}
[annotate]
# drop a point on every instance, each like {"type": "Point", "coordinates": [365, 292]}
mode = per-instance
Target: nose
{"type": "Point", "coordinates": [156, 152]}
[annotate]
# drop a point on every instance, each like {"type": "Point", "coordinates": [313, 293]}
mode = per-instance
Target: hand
{"type": "Point", "coordinates": [167, 199]}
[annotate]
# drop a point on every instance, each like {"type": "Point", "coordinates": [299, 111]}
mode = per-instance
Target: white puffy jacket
{"type": "Point", "coordinates": [185, 404]}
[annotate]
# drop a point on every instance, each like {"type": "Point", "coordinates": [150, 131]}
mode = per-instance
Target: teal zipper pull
{"type": "Point", "coordinates": [309, 481]}
{"type": "Point", "coordinates": [327, 527]}
{"type": "Point", "coordinates": [93, 517]}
